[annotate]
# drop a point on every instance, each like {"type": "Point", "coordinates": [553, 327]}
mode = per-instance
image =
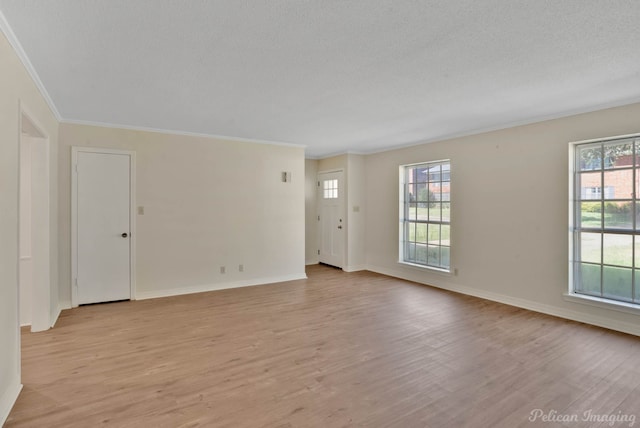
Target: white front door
{"type": "Point", "coordinates": [332, 227]}
{"type": "Point", "coordinates": [103, 231]}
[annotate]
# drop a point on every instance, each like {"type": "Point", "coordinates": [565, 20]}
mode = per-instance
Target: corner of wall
{"type": "Point", "coordinates": [7, 401]}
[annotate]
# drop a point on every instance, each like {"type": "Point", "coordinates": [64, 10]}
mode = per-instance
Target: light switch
{"type": "Point", "coordinates": [140, 210]}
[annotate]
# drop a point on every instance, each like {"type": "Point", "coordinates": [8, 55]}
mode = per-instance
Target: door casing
{"type": "Point", "coordinates": [322, 175]}
{"type": "Point", "coordinates": [42, 297]}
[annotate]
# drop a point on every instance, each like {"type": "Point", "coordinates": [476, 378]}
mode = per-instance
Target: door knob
{"type": "Point", "coordinates": [339, 227]}
{"type": "Point", "coordinates": [124, 235]}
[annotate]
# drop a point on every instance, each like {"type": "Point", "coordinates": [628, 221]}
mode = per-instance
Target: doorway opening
{"type": "Point", "coordinates": [34, 275]}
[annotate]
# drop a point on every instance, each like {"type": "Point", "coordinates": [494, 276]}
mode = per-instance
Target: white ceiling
{"type": "Point", "coordinates": [333, 75]}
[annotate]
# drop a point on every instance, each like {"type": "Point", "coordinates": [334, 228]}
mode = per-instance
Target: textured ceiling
{"type": "Point", "coordinates": [334, 75]}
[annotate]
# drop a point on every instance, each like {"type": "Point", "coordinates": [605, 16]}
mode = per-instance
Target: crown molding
{"type": "Point", "coordinates": [184, 133]}
{"type": "Point", "coordinates": [17, 47]}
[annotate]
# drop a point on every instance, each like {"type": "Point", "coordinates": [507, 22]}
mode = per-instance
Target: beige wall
{"type": "Point", "coordinates": [356, 209]}
{"type": "Point", "coordinates": [333, 163]}
{"type": "Point", "coordinates": [208, 203]}
{"type": "Point", "coordinates": [16, 90]}
{"type": "Point", "coordinates": [509, 212]}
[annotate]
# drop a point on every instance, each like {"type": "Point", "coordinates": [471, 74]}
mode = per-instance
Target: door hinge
{"type": "Point", "coordinates": [75, 280]}
{"type": "Point", "coordinates": [76, 167]}
{"type": "Point", "coordinates": [318, 218]}
{"type": "Point", "coordinates": [318, 184]}
{"type": "Point", "coordinates": [318, 252]}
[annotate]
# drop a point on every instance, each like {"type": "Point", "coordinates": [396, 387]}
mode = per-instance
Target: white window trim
{"type": "Point", "coordinates": [401, 181]}
{"type": "Point", "coordinates": [442, 271]}
{"type": "Point", "coordinates": [600, 302]}
{"type": "Point", "coordinates": [571, 295]}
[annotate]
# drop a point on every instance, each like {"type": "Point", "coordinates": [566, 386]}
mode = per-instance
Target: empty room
{"type": "Point", "coordinates": [368, 213]}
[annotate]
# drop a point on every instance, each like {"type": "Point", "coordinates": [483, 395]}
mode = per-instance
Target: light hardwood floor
{"type": "Point", "coordinates": [339, 349]}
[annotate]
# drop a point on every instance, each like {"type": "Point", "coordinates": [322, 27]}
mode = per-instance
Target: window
{"type": "Point", "coordinates": [606, 220]}
{"type": "Point", "coordinates": [330, 189]}
{"type": "Point", "coordinates": [425, 213]}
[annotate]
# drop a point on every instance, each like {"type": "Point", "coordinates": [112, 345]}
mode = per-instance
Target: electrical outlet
{"type": "Point", "coordinates": [240, 268]}
{"type": "Point", "coordinates": [223, 269]}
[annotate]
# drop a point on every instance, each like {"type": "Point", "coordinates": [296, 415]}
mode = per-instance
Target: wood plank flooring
{"type": "Point", "coordinates": [338, 349]}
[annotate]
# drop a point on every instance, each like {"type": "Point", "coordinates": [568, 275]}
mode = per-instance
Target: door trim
{"type": "Point", "coordinates": [343, 205]}
{"type": "Point", "coordinates": [43, 294]}
{"type": "Point", "coordinates": [75, 150]}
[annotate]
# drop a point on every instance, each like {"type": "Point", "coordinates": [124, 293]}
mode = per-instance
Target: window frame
{"type": "Point", "coordinates": [575, 293]}
{"type": "Point", "coordinates": [330, 188]}
{"type": "Point", "coordinates": [405, 202]}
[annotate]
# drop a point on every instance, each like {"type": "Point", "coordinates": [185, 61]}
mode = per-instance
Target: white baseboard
{"type": "Point", "coordinates": [7, 401]}
{"type": "Point", "coordinates": [57, 315]}
{"type": "Point", "coordinates": [346, 268]}
{"type": "Point", "coordinates": [153, 294]}
{"type": "Point", "coordinates": [612, 324]}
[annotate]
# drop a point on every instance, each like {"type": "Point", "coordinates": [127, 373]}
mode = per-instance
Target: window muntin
{"type": "Point", "coordinates": [606, 234]}
{"type": "Point", "coordinates": [426, 214]}
{"type": "Point", "coordinates": [330, 189]}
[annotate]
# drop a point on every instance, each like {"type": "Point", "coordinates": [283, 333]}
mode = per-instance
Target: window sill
{"type": "Point", "coordinates": [425, 268]}
{"type": "Point", "coordinates": [599, 302]}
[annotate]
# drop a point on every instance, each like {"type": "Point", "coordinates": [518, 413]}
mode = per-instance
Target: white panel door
{"type": "Point", "coordinates": [103, 227]}
{"type": "Point", "coordinates": [332, 227]}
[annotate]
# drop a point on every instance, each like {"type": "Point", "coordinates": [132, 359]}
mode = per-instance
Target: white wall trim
{"type": "Point", "coordinates": [41, 227]}
{"type": "Point", "coordinates": [355, 268]}
{"type": "Point", "coordinates": [429, 269]}
{"type": "Point", "coordinates": [143, 295]}
{"type": "Point", "coordinates": [598, 302]}
{"type": "Point", "coordinates": [17, 47]}
{"type": "Point", "coordinates": [60, 309]}
{"type": "Point", "coordinates": [625, 327]}
{"type": "Point", "coordinates": [329, 171]}
{"type": "Point", "coordinates": [7, 401]}
{"type": "Point", "coordinates": [342, 197]}
{"type": "Point", "coordinates": [184, 133]}
{"type": "Point", "coordinates": [334, 154]}
{"type": "Point", "coordinates": [26, 111]}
